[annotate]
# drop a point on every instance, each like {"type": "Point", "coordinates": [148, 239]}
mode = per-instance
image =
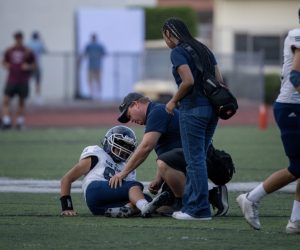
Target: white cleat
{"type": "Point", "coordinates": [250, 210]}
{"type": "Point", "coordinates": [157, 201]}
{"type": "Point", "coordinates": [119, 212]}
{"type": "Point", "coordinates": [184, 216]}
{"type": "Point", "coordinates": [293, 227]}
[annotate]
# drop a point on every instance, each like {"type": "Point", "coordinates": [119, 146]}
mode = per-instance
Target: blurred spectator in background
{"type": "Point", "coordinates": [19, 61]}
{"type": "Point", "coordinates": [38, 48]}
{"type": "Point", "coordinates": [94, 51]}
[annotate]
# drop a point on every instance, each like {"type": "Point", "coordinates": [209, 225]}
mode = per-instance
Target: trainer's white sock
{"type": "Point", "coordinates": [257, 193]}
{"type": "Point", "coordinates": [296, 211]}
{"type": "Point", "coordinates": [140, 203]}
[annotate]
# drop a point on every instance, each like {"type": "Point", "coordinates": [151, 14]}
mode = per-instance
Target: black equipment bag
{"type": "Point", "coordinates": [220, 167]}
{"type": "Point", "coordinates": [223, 101]}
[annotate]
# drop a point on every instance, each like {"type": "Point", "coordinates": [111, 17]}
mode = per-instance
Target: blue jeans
{"type": "Point", "coordinates": [197, 126]}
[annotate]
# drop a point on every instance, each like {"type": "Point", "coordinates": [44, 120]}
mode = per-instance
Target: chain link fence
{"type": "Point", "coordinates": [243, 72]}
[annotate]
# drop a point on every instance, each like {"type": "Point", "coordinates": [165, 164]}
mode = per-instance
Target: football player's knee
{"type": "Point", "coordinates": [134, 185]}
{"type": "Point", "coordinates": [294, 167]}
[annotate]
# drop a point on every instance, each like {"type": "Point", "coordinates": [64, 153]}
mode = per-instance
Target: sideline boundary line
{"type": "Point", "coordinates": [8, 185]}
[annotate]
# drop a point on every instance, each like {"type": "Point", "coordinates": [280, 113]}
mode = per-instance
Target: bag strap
{"type": "Point", "coordinates": [197, 60]}
{"type": "Point", "coordinates": [194, 55]}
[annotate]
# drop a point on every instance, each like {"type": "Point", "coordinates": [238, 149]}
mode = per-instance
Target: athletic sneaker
{"type": "Point", "coordinates": [183, 216]}
{"type": "Point", "coordinates": [250, 210]}
{"type": "Point", "coordinates": [20, 122]}
{"type": "Point", "coordinates": [5, 122]}
{"type": "Point", "coordinates": [157, 201]}
{"type": "Point", "coordinates": [218, 198]}
{"type": "Point", "coordinates": [169, 210]}
{"type": "Point", "coordinates": [293, 227]}
{"type": "Point", "coordinates": [5, 126]}
{"type": "Point", "coordinates": [120, 212]}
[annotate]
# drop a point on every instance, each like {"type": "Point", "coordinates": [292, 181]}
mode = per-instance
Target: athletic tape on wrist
{"type": "Point", "coordinates": [66, 202]}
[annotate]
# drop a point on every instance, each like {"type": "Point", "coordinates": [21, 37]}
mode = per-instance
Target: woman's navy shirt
{"type": "Point", "coordinates": [179, 56]}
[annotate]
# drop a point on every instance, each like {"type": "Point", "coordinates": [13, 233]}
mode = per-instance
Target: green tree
{"type": "Point", "coordinates": [155, 18]}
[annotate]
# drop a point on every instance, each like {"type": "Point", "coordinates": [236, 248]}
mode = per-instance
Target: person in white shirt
{"type": "Point", "coordinates": [287, 116]}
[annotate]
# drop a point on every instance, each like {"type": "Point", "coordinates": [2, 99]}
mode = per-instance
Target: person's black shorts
{"type": "Point", "coordinates": [175, 159]}
{"type": "Point", "coordinates": [20, 89]}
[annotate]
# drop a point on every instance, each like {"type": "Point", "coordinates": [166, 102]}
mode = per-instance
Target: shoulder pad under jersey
{"type": "Point", "coordinates": [90, 151]}
{"type": "Point", "coordinates": [294, 38]}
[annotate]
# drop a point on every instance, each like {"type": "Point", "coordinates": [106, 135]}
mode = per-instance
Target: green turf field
{"type": "Point", "coordinates": [32, 221]}
{"type": "Point", "coordinates": [49, 153]}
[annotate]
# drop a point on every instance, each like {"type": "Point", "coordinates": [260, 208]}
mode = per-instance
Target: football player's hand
{"type": "Point", "coordinates": [116, 180]}
{"type": "Point", "coordinates": [68, 213]}
{"type": "Point", "coordinates": [154, 186]}
{"type": "Point", "coordinates": [170, 106]}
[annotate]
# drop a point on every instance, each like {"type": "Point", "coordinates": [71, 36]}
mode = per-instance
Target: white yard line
{"type": "Point", "coordinates": [53, 186]}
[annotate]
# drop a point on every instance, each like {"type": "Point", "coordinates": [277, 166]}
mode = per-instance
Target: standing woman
{"type": "Point", "coordinates": [197, 117]}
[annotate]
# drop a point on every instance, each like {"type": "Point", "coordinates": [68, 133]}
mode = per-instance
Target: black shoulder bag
{"type": "Point", "coordinates": [220, 166]}
{"type": "Point", "coordinates": [223, 101]}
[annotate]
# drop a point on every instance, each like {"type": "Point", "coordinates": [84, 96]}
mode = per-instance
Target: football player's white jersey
{"type": "Point", "coordinates": [288, 93]}
{"type": "Point", "coordinates": [104, 169]}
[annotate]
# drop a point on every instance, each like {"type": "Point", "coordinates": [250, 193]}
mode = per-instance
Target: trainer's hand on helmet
{"type": "Point", "coordinates": [116, 180]}
{"type": "Point", "coordinates": [68, 213]}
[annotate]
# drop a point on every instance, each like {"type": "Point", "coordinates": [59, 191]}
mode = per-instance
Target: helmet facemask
{"type": "Point", "coordinates": [121, 147]}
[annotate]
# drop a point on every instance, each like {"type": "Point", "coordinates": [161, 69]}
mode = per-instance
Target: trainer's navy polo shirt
{"type": "Point", "coordinates": [158, 120]}
{"type": "Point", "coordinates": [179, 56]}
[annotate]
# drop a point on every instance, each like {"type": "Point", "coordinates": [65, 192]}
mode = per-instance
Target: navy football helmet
{"type": "Point", "coordinates": [119, 142]}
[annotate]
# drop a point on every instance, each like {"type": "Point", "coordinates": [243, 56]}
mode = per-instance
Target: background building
{"type": "Point", "coordinates": [246, 35]}
{"type": "Point", "coordinates": [56, 22]}
{"type": "Point", "coordinates": [253, 26]}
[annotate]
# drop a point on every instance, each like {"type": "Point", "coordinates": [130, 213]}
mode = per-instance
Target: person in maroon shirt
{"type": "Point", "coordinates": [19, 62]}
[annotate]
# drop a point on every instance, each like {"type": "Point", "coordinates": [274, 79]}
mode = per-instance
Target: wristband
{"type": "Point", "coordinates": [66, 202]}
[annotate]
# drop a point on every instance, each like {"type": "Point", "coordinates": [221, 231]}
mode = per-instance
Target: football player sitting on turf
{"type": "Point", "coordinates": [98, 165]}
